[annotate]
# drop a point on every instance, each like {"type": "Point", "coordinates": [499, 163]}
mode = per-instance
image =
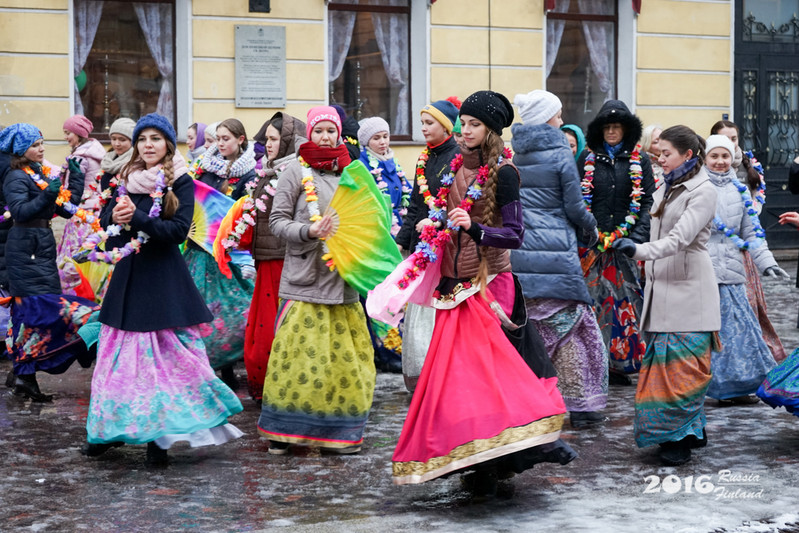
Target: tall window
{"type": "Point", "coordinates": [581, 56]}
{"type": "Point", "coordinates": [369, 58]}
{"type": "Point", "coordinates": [124, 60]}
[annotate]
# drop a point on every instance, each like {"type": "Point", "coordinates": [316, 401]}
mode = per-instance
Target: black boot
{"type": "Point", "coordinates": [94, 450]}
{"type": "Point", "coordinates": [156, 456]}
{"type": "Point", "coordinates": [693, 442]}
{"type": "Point", "coordinates": [675, 453]}
{"type": "Point", "coordinates": [482, 482]}
{"type": "Point", "coordinates": [617, 378]}
{"type": "Point", "coordinates": [27, 386]}
{"type": "Point", "coordinates": [10, 379]}
{"type": "Point", "coordinates": [581, 419]}
{"type": "Point", "coordinates": [229, 377]}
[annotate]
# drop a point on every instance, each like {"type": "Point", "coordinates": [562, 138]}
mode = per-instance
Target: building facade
{"type": "Point", "coordinates": [671, 61]}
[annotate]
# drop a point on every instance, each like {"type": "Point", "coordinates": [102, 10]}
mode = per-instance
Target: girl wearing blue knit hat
{"type": "Point", "coordinates": [44, 323]}
{"type": "Point", "coordinates": [152, 382]}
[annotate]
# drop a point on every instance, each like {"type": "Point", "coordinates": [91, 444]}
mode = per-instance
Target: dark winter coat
{"type": "Point", "coordinates": [547, 264]}
{"type": "Point", "coordinates": [238, 185]}
{"type": "Point", "coordinates": [612, 185]}
{"type": "Point", "coordinates": [5, 226]}
{"type": "Point", "coordinates": [30, 252]}
{"type": "Point", "coordinates": [153, 289]}
{"type": "Point", "coordinates": [349, 134]}
{"type": "Point", "coordinates": [437, 165]}
{"type": "Point", "coordinates": [265, 245]}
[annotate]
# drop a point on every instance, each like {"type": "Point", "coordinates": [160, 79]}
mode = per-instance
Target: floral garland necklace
{"type": "Point", "coordinates": [312, 201]}
{"type": "Point", "coordinates": [63, 199]}
{"type": "Point", "coordinates": [587, 185]}
{"type": "Point", "coordinates": [90, 250]}
{"type": "Point", "coordinates": [6, 215]}
{"type": "Point", "coordinates": [760, 233]}
{"type": "Point", "coordinates": [405, 201]}
{"type": "Point", "coordinates": [760, 193]}
{"type": "Point", "coordinates": [432, 239]}
{"type": "Point", "coordinates": [249, 209]}
{"type": "Point", "coordinates": [421, 180]}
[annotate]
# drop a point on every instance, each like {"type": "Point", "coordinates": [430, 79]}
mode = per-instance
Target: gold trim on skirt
{"type": "Point", "coordinates": [477, 451]}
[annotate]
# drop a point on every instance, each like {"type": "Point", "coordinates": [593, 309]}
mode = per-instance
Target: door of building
{"type": "Point", "coordinates": [767, 102]}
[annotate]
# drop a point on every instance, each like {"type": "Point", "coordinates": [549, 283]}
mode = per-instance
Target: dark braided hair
{"type": "Point", "coordinates": [683, 139]}
{"type": "Point", "coordinates": [491, 149]}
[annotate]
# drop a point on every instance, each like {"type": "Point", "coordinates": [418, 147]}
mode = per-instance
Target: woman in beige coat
{"type": "Point", "coordinates": [681, 302]}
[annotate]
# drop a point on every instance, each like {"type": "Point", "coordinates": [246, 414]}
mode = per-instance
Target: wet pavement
{"type": "Point", "coordinates": [47, 485]}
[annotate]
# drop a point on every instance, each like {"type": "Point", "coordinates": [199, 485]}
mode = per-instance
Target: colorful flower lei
{"type": "Point", "coordinates": [313, 208]}
{"type": "Point", "coordinates": [432, 239]}
{"type": "Point", "coordinates": [63, 199]}
{"type": "Point", "coordinates": [421, 163]}
{"type": "Point", "coordinates": [760, 233]}
{"type": "Point", "coordinates": [587, 184]}
{"type": "Point", "coordinates": [405, 201]}
{"type": "Point", "coordinates": [90, 250]}
{"type": "Point", "coordinates": [6, 215]}
{"type": "Point", "coordinates": [760, 193]}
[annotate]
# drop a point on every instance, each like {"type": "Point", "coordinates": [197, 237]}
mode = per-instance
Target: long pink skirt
{"type": "Point", "coordinates": [476, 399]}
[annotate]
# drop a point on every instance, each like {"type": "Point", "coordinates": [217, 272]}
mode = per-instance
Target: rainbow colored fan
{"type": "Point", "coordinates": [361, 246]}
{"type": "Point", "coordinates": [210, 207]}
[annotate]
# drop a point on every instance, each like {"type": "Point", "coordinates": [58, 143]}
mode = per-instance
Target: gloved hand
{"type": "Point", "coordinates": [625, 246]}
{"type": "Point", "coordinates": [54, 186]}
{"type": "Point", "coordinates": [73, 164]}
{"type": "Point", "coordinates": [777, 273]}
{"type": "Point", "coordinates": [248, 272]}
{"type": "Point", "coordinates": [589, 238]}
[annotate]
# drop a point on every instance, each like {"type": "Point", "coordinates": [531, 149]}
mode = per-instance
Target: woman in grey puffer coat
{"type": "Point", "coordinates": [548, 265]}
{"type": "Point", "coordinates": [745, 359]}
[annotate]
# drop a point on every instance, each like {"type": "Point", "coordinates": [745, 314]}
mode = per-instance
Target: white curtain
{"type": "Point", "coordinates": [555, 34]}
{"type": "Point", "coordinates": [87, 19]}
{"type": "Point", "coordinates": [391, 32]}
{"type": "Point", "coordinates": [596, 38]}
{"type": "Point", "coordinates": [339, 36]}
{"type": "Point", "coordinates": [156, 24]}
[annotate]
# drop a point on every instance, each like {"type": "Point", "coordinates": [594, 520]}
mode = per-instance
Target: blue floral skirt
{"type": "Point", "coordinates": [43, 332]}
{"type": "Point", "coordinates": [745, 359]}
{"type": "Point", "coordinates": [781, 386]}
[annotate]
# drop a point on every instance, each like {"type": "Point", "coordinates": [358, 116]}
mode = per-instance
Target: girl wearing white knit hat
{"type": "Point", "coordinates": [741, 365]}
{"type": "Point", "coordinates": [547, 263]}
{"type": "Point", "coordinates": [376, 154]}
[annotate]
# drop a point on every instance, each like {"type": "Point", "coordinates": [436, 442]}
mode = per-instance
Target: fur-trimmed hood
{"type": "Point", "coordinates": [614, 111]}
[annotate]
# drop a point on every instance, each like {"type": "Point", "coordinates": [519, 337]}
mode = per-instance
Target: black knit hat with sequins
{"type": "Point", "coordinates": [492, 109]}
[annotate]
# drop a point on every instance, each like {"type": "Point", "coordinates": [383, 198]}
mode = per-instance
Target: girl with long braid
{"type": "Point", "coordinates": [681, 302]}
{"type": "Point", "coordinates": [478, 407]}
{"type": "Point", "coordinates": [228, 166]}
{"type": "Point", "coordinates": [152, 382]}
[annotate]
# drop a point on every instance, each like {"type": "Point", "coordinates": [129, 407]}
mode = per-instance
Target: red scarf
{"type": "Point", "coordinates": [333, 159]}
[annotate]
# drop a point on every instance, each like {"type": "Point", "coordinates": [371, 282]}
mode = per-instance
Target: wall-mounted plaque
{"type": "Point", "coordinates": [260, 66]}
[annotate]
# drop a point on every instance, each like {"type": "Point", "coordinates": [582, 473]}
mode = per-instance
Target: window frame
{"type": "Point", "coordinates": [404, 10]}
{"type": "Point", "coordinates": [177, 7]}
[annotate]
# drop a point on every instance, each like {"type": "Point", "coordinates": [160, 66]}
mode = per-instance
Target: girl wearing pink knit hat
{"type": "Point", "coordinates": [321, 376]}
{"type": "Point", "coordinates": [86, 157]}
